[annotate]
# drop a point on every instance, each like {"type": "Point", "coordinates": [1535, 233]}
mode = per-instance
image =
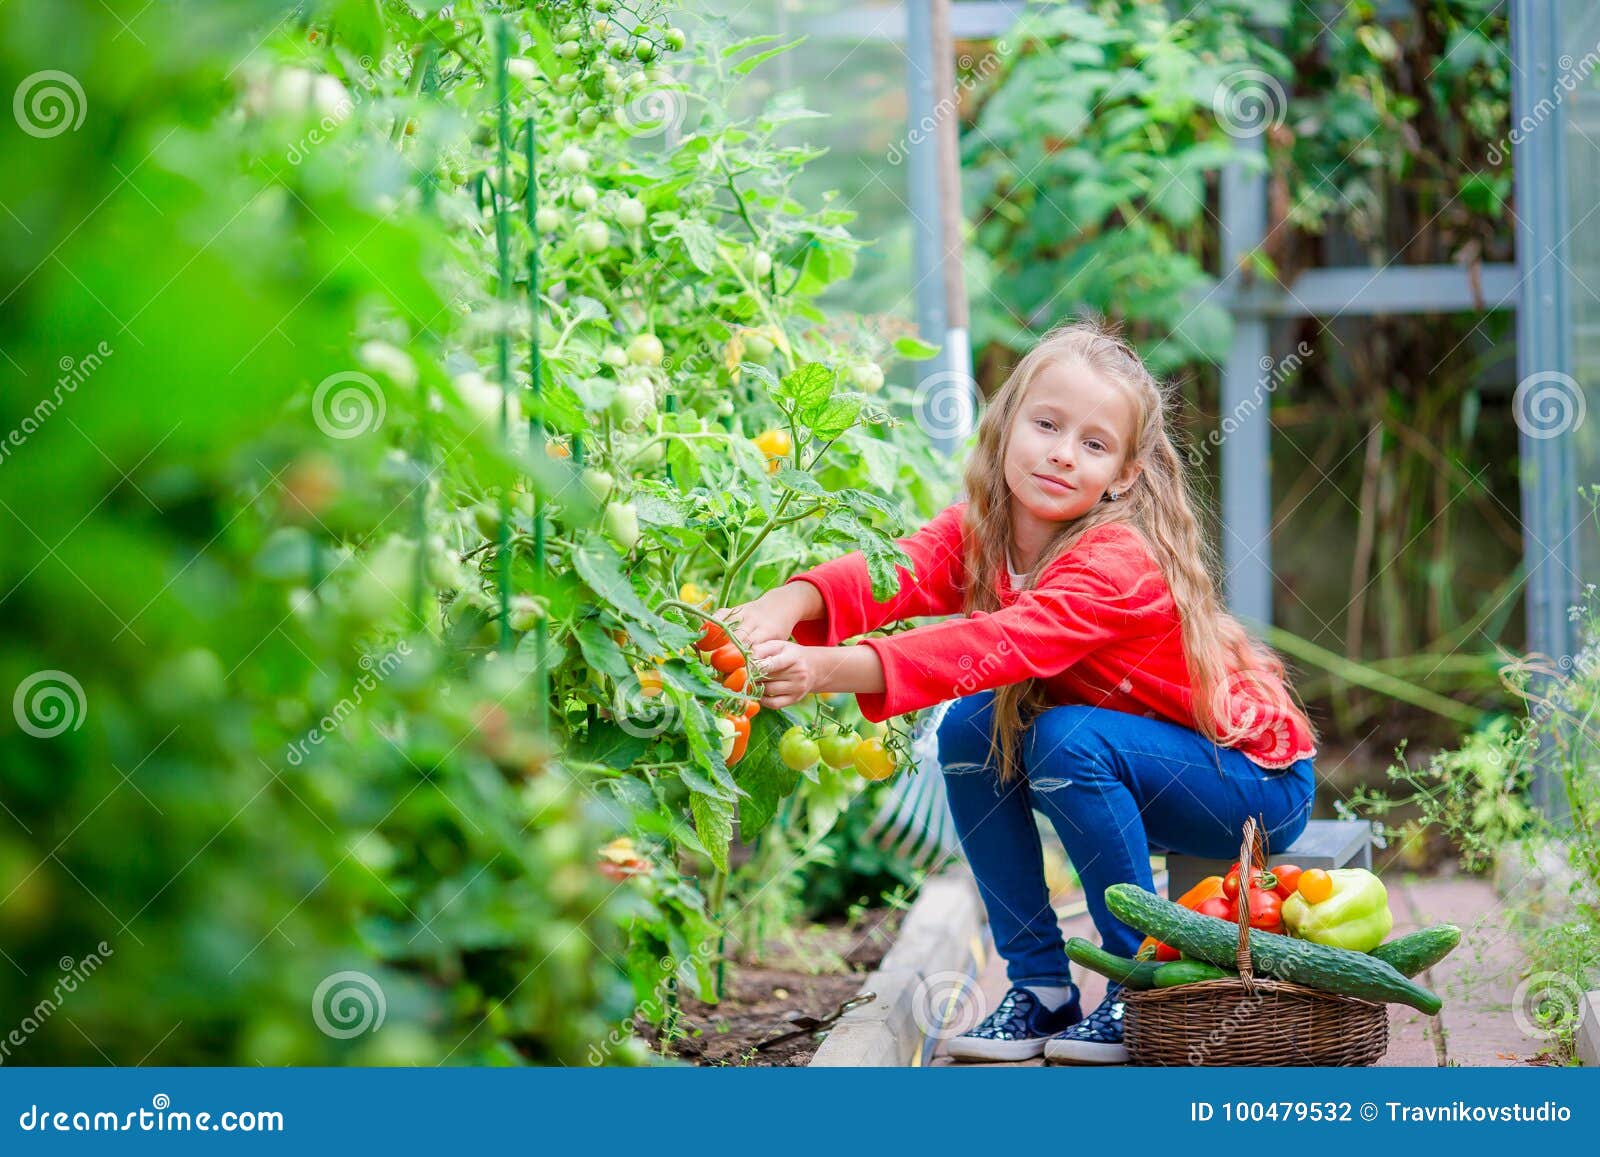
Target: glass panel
{"type": "Point", "coordinates": [1577, 89]}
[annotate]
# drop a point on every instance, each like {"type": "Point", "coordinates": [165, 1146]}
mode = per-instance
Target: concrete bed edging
{"type": "Point", "coordinates": [941, 934]}
{"type": "Point", "coordinates": [1588, 1042]}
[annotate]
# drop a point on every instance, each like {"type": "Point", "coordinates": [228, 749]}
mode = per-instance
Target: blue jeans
{"type": "Point", "coordinates": [1113, 785]}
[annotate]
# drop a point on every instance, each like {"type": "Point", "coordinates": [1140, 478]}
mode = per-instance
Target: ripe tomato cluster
{"type": "Point", "coordinates": [1268, 889]}
{"type": "Point", "coordinates": [728, 661]}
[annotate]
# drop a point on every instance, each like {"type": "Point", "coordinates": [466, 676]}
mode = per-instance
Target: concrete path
{"type": "Point", "coordinates": [1476, 981]}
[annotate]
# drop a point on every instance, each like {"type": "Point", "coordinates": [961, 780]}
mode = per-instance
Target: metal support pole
{"type": "Point", "coordinates": [945, 391]}
{"type": "Point", "coordinates": [1544, 353]}
{"type": "Point", "coordinates": [1246, 451]}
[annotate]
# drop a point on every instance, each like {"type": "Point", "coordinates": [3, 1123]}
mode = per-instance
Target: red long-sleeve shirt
{"type": "Point", "coordinates": [1100, 627]}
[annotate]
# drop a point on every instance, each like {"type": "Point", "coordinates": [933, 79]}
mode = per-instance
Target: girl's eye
{"type": "Point", "coordinates": [1094, 444]}
{"type": "Point", "coordinates": [1044, 422]}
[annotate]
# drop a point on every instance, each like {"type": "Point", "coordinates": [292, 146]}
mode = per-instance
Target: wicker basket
{"type": "Point", "coordinates": [1250, 1021]}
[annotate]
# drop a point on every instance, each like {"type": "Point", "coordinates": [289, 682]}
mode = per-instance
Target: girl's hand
{"type": "Point", "coordinates": [788, 673]}
{"type": "Point", "coordinates": [770, 618]}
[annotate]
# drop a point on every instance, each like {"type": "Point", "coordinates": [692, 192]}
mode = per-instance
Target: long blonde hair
{"type": "Point", "coordinates": [1218, 652]}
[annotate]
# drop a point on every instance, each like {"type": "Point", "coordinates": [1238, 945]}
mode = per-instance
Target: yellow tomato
{"type": "Point", "coordinates": [776, 445]}
{"type": "Point", "coordinates": [873, 760]}
{"type": "Point", "coordinates": [694, 594]}
{"type": "Point", "coordinates": [1315, 885]}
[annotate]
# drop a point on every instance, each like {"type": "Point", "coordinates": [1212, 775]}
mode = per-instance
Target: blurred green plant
{"type": "Point", "coordinates": [331, 548]}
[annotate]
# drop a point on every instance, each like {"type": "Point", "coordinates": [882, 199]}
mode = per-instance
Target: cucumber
{"type": "Point", "coordinates": [1132, 973]}
{"type": "Point", "coordinates": [1335, 970]}
{"type": "Point", "coordinates": [1409, 955]}
{"type": "Point", "coordinates": [1177, 972]}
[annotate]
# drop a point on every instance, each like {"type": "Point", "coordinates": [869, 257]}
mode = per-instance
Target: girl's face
{"type": "Point", "coordinates": [1069, 441]}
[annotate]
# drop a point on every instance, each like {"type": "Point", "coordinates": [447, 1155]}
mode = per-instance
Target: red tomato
{"type": "Point", "coordinates": [735, 679]}
{"type": "Point", "coordinates": [712, 636]}
{"type": "Point", "coordinates": [1218, 907]}
{"type": "Point", "coordinates": [727, 659]}
{"type": "Point", "coordinates": [1266, 911]}
{"type": "Point", "coordinates": [1167, 952]}
{"type": "Point", "coordinates": [1288, 880]}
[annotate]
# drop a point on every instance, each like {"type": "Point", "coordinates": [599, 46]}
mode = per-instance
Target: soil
{"type": "Point", "coordinates": [823, 967]}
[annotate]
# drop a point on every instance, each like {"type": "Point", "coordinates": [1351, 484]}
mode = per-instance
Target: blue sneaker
{"type": "Point", "coordinates": [1016, 1030]}
{"type": "Point", "coordinates": [1096, 1039]}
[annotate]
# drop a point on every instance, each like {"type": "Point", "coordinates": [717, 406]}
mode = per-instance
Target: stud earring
{"type": "Point", "coordinates": [1111, 496]}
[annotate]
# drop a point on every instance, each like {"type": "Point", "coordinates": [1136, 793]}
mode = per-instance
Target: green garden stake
{"type": "Point", "coordinates": [502, 238]}
{"type": "Point", "coordinates": [535, 420]}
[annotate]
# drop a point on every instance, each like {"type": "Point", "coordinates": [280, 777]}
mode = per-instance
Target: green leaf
{"type": "Point", "coordinates": [915, 349]}
{"type": "Point", "coordinates": [749, 42]}
{"type": "Point", "coordinates": [800, 482]}
{"type": "Point", "coordinates": [699, 242]}
{"type": "Point", "coordinates": [600, 650]}
{"type": "Point", "coordinates": [763, 775]}
{"type": "Point", "coordinates": [809, 386]}
{"type": "Point", "coordinates": [745, 67]}
{"type": "Point", "coordinates": [599, 566]}
{"type": "Point", "coordinates": [713, 823]}
{"type": "Point", "coordinates": [608, 745]}
{"type": "Point", "coordinates": [833, 419]}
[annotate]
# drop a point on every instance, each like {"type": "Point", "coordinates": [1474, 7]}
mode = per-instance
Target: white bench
{"type": "Point", "coordinates": [1324, 844]}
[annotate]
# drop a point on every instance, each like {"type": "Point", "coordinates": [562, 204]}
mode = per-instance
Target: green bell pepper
{"type": "Point", "coordinates": [1356, 916]}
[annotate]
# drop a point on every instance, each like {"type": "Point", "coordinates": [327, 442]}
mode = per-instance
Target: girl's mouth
{"type": "Point", "coordinates": [1054, 484]}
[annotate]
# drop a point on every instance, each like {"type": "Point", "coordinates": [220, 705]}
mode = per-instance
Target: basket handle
{"type": "Point", "coordinates": [1252, 854]}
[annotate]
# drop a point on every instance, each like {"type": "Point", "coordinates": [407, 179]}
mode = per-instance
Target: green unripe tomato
{"type": "Point", "coordinates": [634, 404]}
{"type": "Point", "coordinates": [524, 612]}
{"type": "Point", "coordinates": [568, 49]}
{"type": "Point", "coordinates": [593, 237]}
{"type": "Point", "coordinates": [760, 264]}
{"type": "Point", "coordinates": [867, 376]}
{"type": "Point", "coordinates": [599, 29]}
{"type": "Point", "coordinates": [584, 197]}
{"type": "Point", "coordinates": [646, 350]}
{"type": "Point", "coordinates": [644, 50]}
{"type": "Point", "coordinates": [758, 348]}
{"type": "Point", "coordinates": [486, 517]}
{"type": "Point", "coordinates": [614, 355]}
{"type": "Point", "coordinates": [598, 483]}
{"type": "Point", "coordinates": [798, 750]}
{"type": "Point", "coordinates": [838, 748]}
{"type": "Point", "coordinates": [650, 454]}
{"type": "Point", "coordinates": [589, 118]}
{"type": "Point", "coordinates": [622, 524]}
{"type": "Point", "coordinates": [617, 49]}
{"type": "Point", "coordinates": [635, 81]}
{"type": "Point", "coordinates": [630, 213]}
{"type": "Point", "coordinates": [547, 219]}
{"type": "Point", "coordinates": [567, 83]}
{"type": "Point", "coordinates": [573, 160]}
{"type": "Point", "coordinates": [674, 39]}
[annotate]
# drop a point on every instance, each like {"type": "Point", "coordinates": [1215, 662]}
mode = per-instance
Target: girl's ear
{"type": "Point", "coordinates": [1129, 475]}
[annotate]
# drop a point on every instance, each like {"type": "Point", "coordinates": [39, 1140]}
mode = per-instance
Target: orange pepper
{"type": "Point", "coordinates": [1192, 899]}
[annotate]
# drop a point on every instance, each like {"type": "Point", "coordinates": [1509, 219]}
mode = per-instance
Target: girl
{"type": "Point", "coordinates": [1094, 673]}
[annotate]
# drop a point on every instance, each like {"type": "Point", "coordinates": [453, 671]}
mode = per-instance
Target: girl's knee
{"type": "Point", "coordinates": [963, 735]}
